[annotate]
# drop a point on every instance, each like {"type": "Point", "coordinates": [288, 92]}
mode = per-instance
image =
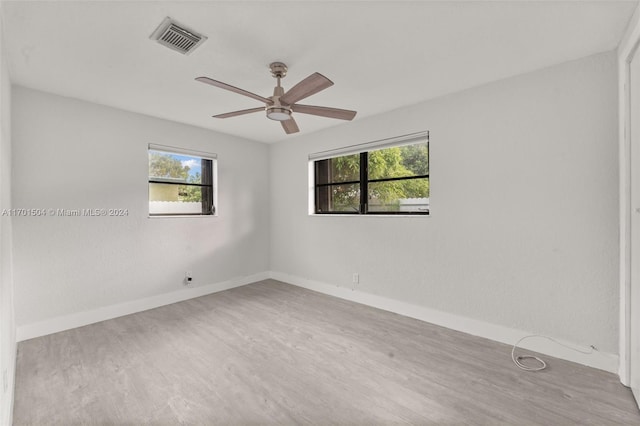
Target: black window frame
{"type": "Point", "coordinates": [208, 180]}
{"type": "Point", "coordinates": [364, 182]}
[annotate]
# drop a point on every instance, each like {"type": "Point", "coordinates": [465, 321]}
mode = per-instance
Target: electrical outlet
{"type": "Point", "coordinates": [188, 278]}
{"type": "Point", "coordinates": [356, 278]}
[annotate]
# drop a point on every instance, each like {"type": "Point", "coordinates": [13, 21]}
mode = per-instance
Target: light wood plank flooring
{"type": "Point", "coordinates": [271, 353]}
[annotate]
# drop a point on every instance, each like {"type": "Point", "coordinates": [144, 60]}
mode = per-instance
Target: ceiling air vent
{"type": "Point", "coordinates": [177, 37]}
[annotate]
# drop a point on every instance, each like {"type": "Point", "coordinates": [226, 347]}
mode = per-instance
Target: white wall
{"type": "Point", "coordinates": [7, 319]}
{"type": "Point", "coordinates": [523, 232]}
{"type": "Point", "coordinates": [70, 154]}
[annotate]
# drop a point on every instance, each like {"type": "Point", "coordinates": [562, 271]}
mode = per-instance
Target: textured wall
{"type": "Point", "coordinates": [70, 154]}
{"type": "Point", "coordinates": [523, 230]}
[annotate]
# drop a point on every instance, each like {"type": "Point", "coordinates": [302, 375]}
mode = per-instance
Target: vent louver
{"type": "Point", "coordinates": [177, 37]}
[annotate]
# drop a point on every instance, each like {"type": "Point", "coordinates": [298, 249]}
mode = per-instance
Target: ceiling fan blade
{"type": "Point", "coordinates": [342, 114]}
{"type": "Point", "coordinates": [234, 89]}
{"type": "Point", "coordinates": [290, 126]}
{"type": "Point", "coordinates": [241, 112]}
{"type": "Point", "coordinates": [307, 87]}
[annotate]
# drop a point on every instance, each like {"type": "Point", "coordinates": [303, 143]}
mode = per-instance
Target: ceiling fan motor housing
{"type": "Point", "coordinates": [277, 111]}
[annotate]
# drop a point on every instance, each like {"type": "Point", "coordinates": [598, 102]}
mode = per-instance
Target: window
{"type": "Point", "coordinates": [181, 182]}
{"type": "Point", "coordinates": [383, 177]}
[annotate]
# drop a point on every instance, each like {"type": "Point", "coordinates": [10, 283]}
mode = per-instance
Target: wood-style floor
{"type": "Point", "coordinates": [271, 353]}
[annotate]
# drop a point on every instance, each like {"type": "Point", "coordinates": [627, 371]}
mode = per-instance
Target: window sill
{"type": "Point", "coordinates": [368, 215]}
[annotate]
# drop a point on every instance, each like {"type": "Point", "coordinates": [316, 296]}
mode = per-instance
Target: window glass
{"type": "Point", "coordinates": [180, 184]}
{"type": "Point", "coordinates": [389, 180]}
{"type": "Point", "coordinates": [399, 161]}
{"type": "Point", "coordinates": [339, 198]}
{"type": "Point", "coordinates": [400, 196]}
{"type": "Point", "coordinates": [339, 169]}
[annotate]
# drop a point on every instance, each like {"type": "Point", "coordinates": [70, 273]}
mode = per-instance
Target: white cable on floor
{"type": "Point", "coordinates": [543, 365]}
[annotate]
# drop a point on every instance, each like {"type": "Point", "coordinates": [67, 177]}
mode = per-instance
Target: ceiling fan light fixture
{"type": "Point", "coordinates": [278, 113]}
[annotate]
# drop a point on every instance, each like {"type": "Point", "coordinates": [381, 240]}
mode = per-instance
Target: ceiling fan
{"type": "Point", "coordinates": [282, 105]}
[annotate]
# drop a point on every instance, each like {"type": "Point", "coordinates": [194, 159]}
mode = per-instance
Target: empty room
{"type": "Point", "coordinates": [319, 212]}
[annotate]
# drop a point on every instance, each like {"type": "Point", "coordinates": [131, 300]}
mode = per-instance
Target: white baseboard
{"type": "Point", "coordinates": [79, 319]}
{"type": "Point", "coordinates": [601, 360]}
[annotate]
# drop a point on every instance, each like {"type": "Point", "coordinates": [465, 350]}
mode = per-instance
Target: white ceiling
{"type": "Point", "coordinates": [381, 55]}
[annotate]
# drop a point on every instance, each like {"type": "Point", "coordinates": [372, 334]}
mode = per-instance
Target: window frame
{"type": "Point", "coordinates": [363, 150]}
{"type": "Point", "coordinates": [213, 158]}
